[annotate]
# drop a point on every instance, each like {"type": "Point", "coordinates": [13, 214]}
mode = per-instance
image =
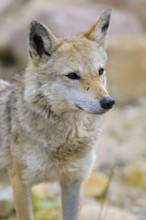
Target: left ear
{"type": "Point", "coordinates": [98, 32]}
{"type": "Point", "coordinates": [42, 43]}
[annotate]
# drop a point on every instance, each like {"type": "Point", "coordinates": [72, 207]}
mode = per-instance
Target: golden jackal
{"type": "Point", "coordinates": [49, 118]}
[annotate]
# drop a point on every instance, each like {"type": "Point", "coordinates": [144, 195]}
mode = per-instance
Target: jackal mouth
{"type": "Point", "coordinates": [79, 107]}
{"type": "Point", "coordinates": [100, 112]}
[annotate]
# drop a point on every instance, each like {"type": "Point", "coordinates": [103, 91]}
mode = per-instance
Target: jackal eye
{"type": "Point", "coordinates": [101, 71]}
{"type": "Point", "coordinates": [73, 76]}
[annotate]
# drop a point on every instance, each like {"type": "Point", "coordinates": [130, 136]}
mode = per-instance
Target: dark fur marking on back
{"type": "Point", "coordinates": [8, 110]}
{"type": "Point", "coordinates": [30, 53]}
{"type": "Point", "coordinates": [49, 111]}
{"type": "Point", "coordinates": [43, 105]}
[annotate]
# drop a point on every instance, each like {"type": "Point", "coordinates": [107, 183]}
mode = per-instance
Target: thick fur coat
{"type": "Point", "coordinates": [50, 116]}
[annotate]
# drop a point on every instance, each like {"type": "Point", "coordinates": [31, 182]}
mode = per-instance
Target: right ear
{"type": "Point", "coordinates": [42, 42]}
{"type": "Point", "coordinates": [98, 32]}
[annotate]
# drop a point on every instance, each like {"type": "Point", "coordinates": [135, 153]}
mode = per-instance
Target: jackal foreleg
{"type": "Point", "coordinates": [22, 197]}
{"type": "Point", "coordinates": [71, 193]}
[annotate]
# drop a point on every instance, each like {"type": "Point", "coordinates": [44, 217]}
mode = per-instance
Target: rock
{"type": "Point", "coordinates": [8, 73]}
{"type": "Point", "coordinates": [134, 6]}
{"type": "Point", "coordinates": [48, 214]}
{"type": "Point", "coordinates": [46, 190]}
{"type": "Point", "coordinates": [96, 185]}
{"type": "Point", "coordinates": [123, 138]}
{"type": "Point", "coordinates": [62, 20]}
{"type": "Point", "coordinates": [135, 174]}
{"type": "Point", "coordinates": [6, 201]}
{"type": "Point", "coordinates": [127, 68]}
{"type": "Point", "coordinates": [123, 142]}
{"type": "Point", "coordinates": [125, 3]}
{"type": "Point", "coordinates": [38, 191]}
{"type": "Point", "coordinates": [65, 21]}
{"type": "Point", "coordinates": [4, 4]}
{"type": "Point", "coordinates": [93, 211]}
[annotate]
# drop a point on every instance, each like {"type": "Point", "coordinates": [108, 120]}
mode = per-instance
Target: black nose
{"type": "Point", "coordinates": [107, 102]}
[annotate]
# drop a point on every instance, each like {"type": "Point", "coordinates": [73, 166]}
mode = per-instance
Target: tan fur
{"type": "Point", "coordinates": [49, 122]}
{"type": "Point", "coordinates": [96, 85]}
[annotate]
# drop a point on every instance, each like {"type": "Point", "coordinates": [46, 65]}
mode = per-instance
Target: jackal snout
{"type": "Point", "coordinates": [99, 89]}
{"type": "Point", "coordinates": [107, 102]}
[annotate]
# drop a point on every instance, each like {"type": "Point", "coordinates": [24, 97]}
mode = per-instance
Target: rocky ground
{"type": "Point", "coordinates": [123, 143]}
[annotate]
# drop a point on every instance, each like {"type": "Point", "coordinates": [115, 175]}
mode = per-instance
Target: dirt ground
{"type": "Point", "coordinates": [123, 142]}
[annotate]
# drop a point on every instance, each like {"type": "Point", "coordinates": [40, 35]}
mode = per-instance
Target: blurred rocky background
{"type": "Point", "coordinates": [117, 188]}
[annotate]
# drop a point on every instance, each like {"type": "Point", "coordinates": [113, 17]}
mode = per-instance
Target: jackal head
{"type": "Point", "coordinates": [68, 74]}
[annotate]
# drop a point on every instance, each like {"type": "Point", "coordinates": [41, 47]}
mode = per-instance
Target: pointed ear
{"type": "Point", "coordinates": [98, 32]}
{"type": "Point", "coordinates": [42, 42]}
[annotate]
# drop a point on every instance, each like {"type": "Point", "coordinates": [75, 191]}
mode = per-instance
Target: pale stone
{"type": "Point", "coordinates": [62, 20]}
{"type": "Point", "coordinates": [6, 201]}
{"type": "Point", "coordinates": [4, 4]}
{"type": "Point", "coordinates": [46, 190]}
{"type": "Point", "coordinates": [135, 174]}
{"type": "Point", "coordinates": [127, 68]}
{"type": "Point", "coordinates": [93, 211]}
{"type": "Point", "coordinates": [96, 185]}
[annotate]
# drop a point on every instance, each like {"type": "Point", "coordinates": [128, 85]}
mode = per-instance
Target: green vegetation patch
{"type": "Point", "coordinates": [8, 58]}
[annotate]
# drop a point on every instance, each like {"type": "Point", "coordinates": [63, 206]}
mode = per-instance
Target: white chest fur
{"type": "Point", "coordinates": [40, 168]}
{"type": "Point", "coordinates": [58, 148]}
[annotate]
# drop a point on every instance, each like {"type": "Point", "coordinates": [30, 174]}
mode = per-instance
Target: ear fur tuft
{"type": "Point", "coordinates": [41, 40]}
{"type": "Point", "coordinates": [98, 32]}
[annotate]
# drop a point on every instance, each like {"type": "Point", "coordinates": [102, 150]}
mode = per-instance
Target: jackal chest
{"type": "Point", "coordinates": [41, 165]}
{"type": "Point", "coordinates": [47, 164]}
{"type": "Point", "coordinates": [50, 152]}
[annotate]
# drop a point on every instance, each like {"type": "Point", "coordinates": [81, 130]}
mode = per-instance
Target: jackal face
{"type": "Point", "coordinates": [68, 74]}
